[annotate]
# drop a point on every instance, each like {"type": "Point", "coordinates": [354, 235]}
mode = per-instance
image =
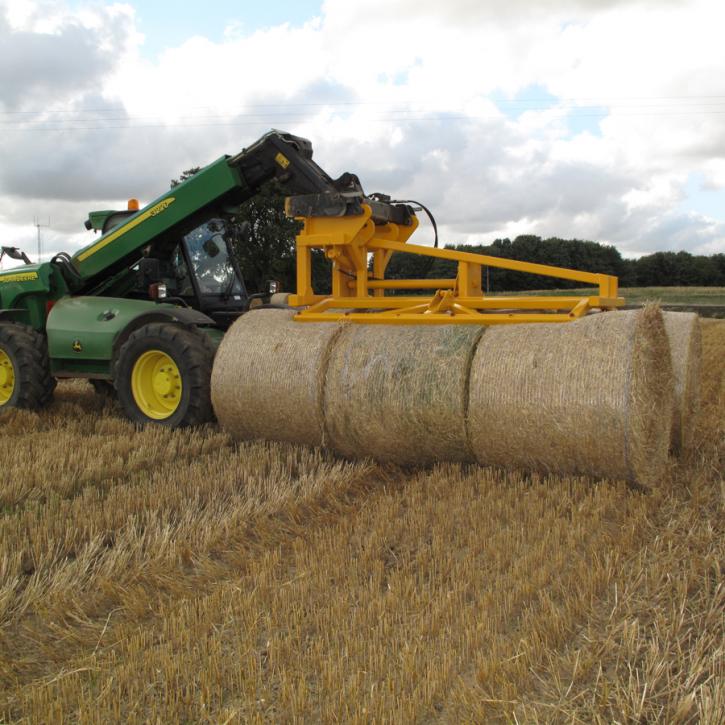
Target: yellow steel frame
{"type": "Point", "coordinates": [358, 293]}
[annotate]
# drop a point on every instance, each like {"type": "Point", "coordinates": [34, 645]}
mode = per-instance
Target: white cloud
{"type": "Point", "coordinates": [398, 92]}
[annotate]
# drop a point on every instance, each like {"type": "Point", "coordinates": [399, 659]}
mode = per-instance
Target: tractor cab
{"type": "Point", "coordinates": [198, 271]}
{"type": "Point", "coordinates": [191, 265]}
{"type": "Point", "coordinates": [196, 268]}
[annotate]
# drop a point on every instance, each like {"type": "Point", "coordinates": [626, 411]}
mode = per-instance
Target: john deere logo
{"type": "Point", "coordinates": [19, 277]}
{"type": "Point", "coordinates": [77, 347]}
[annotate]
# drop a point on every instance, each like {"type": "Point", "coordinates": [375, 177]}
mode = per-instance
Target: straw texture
{"type": "Point", "coordinates": [267, 377]}
{"type": "Point", "coordinates": [589, 397]}
{"type": "Point", "coordinates": [398, 394]}
{"type": "Point", "coordinates": [685, 338]}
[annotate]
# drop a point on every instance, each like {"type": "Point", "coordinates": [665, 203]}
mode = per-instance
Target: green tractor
{"type": "Point", "coordinates": [141, 310]}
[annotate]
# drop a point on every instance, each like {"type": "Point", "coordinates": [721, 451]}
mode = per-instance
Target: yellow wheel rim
{"type": "Point", "coordinates": [7, 377]}
{"type": "Point", "coordinates": [156, 385]}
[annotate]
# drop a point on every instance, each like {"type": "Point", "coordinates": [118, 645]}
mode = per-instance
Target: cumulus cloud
{"type": "Point", "coordinates": [35, 65]}
{"type": "Point", "coordinates": [422, 99]}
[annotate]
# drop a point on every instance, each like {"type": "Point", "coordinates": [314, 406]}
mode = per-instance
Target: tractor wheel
{"type": "Point", "coordinates": [162, 375]}
{"type": "Point", "coordinates": [25, 379]}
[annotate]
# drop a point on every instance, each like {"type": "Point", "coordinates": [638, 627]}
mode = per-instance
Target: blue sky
{"type": "Point", "coordinates": [701, 199]}
{"type": "Point", "coordinates": [538, 97]}
{"type": "Point", "coordinates": [168, 24]}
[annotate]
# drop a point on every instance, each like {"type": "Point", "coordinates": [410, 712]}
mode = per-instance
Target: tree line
{"type": "Point", "coordinates": [661, 269]}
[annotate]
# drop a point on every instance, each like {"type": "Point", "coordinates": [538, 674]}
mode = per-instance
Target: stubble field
{"type": "Point", "coordinates": [177, 577]}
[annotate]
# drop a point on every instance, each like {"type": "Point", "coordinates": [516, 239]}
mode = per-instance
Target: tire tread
{"type": "Point", "coordinates": [33, 373]}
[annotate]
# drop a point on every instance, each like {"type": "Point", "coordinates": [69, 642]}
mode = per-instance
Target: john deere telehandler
{"type": "Point", "coordinates": [141, 310]}
{"type": "Point", "coordinates": [144, 306]}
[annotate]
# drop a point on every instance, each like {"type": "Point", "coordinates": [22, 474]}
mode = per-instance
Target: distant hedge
{"type": "Point", "coordinates": [661, 269]}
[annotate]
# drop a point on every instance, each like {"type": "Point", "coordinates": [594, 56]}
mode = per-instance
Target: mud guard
{"type": "Point", "coordinates": [84, 333]}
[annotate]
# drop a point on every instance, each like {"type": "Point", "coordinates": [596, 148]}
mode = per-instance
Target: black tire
{"type": "Point", "coordinates": [103, 388]}
{"type": "Point", "coordinates": [27, 350]}
{"type": "Point", "coordinates": [193, 354]}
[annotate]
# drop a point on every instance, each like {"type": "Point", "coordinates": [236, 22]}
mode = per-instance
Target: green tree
{"type": "Point", "coordinates": [185, 175]}
{"type": "Point", "coordinates": [571, 253]}
{"type": "Point", "coordinates": [267, 251]}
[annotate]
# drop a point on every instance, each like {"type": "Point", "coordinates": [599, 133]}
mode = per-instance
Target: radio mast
{"type": "Point", "coordinates": [38, 225]}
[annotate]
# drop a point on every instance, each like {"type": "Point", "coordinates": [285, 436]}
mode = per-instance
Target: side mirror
{"type": "Point", "coordinates": [14, 253]}
{"type": "Point", "coordinates": [211, 248]}
{"type": "Point", "coordinates": [149, 270]}
{"type": "Point", "coordinates": [237, 234]}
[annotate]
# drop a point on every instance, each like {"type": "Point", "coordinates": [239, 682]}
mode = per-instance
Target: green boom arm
{"type": "Point", "coordinates": [228, 180]}
{"type": "Point", "coordinates": [164, 213]}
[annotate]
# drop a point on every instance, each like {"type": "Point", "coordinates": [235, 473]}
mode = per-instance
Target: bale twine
{"type": "Point", "coordinates": [267, 377]}
{"type": "Point", "coordinates": [398, 393]}
{"type": "Point", "coordinates": [685, 338]}
{"type": "Point", "coordinates": [588, 397]}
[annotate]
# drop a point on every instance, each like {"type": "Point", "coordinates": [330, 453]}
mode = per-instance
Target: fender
{"type": "Point", "coordinates": [84, 333]}
{"type": "Point", "coordinates": [185, 316]}
{"type": "Point", "coordinates": [24, 292]}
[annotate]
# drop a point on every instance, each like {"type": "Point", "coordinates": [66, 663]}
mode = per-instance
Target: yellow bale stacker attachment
{"type": "Point", "coordinates": [359, 293]}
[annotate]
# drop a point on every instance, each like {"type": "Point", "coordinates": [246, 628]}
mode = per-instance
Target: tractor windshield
{"type": "Point", "coordinates": [209, 258]}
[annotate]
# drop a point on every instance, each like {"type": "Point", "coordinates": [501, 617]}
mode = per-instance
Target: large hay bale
{"type": "Point", "coordinates": [685, 338]}
{"type": "Point", "coordinates": [399, 393]}
{"type": "Point", "coordinates": [268, 375]}
{"type": "Point", "coordinates": [588, 397]}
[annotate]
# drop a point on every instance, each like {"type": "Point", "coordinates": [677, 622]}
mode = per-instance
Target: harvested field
{"type": "Point", "coordinates": [176, 576]}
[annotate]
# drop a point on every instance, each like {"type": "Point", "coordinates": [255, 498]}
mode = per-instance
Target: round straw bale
{"type": "Point", "coordinates": [398, 393]}
{"type": "Point", "coordinates": [685, 338]}
{"type": "Point", "coordinates": [267, 377]}
{"type": "Point", "coordinates": [588, 397]}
